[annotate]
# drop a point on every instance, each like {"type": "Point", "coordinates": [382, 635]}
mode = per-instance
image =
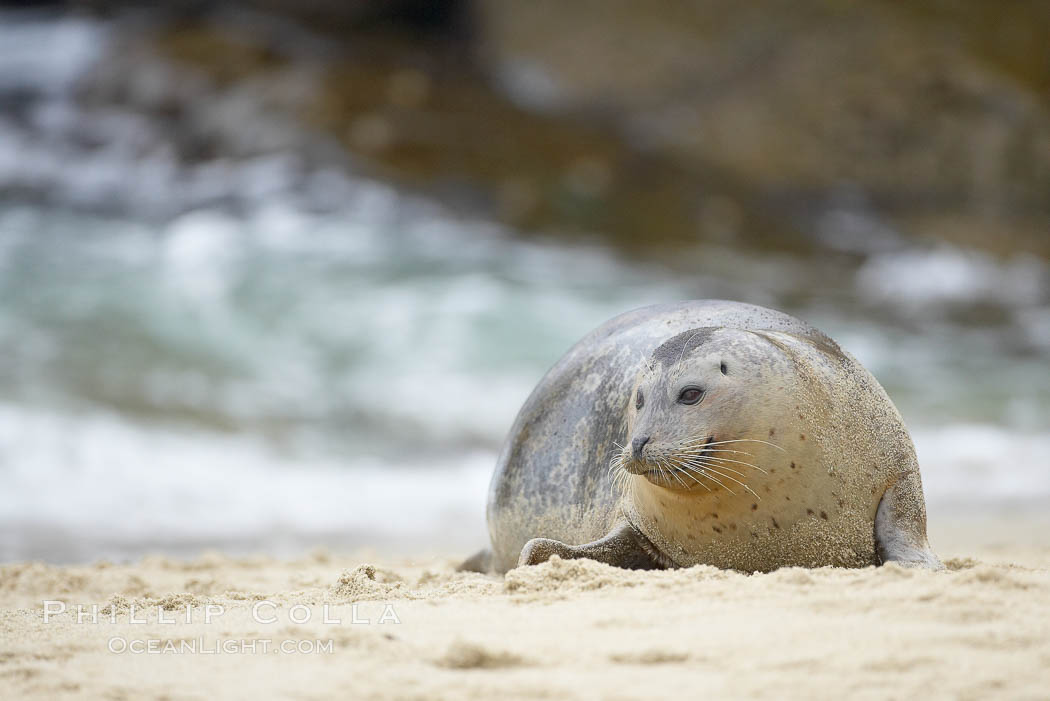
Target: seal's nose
{"type": "Point", "coordinates": [637, 444]}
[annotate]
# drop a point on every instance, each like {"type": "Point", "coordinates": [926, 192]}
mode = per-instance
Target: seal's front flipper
{"type": "Point", "coordinates": [623, 547]}
{"type": "Point", "coordinates": [481, 561]}
{"type": "Point", "coordinates": [900, 525]}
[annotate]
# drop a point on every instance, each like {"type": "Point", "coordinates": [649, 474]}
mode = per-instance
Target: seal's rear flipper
{"type": "Point", "coordinates": [481, 561]}
{"type": "Point", "coordinates": [623, 547]}
{"type": "Point", "coordinates": [900, 525]}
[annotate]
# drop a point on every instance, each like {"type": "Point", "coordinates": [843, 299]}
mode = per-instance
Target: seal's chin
{"type": "Point", "coordinates": [639, 467]}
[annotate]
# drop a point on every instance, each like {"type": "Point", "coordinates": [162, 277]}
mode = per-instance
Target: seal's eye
{"type": "Point", "coordinates": [690, 395]}
{"type": "Point", "coordinates": [639, 401]}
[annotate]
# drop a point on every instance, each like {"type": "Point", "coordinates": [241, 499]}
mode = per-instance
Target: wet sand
{"type": "Point", "coordinates": [980, 629]}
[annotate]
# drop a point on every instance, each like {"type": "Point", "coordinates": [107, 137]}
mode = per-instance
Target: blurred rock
{"type": "Point", "coordinates": [809, 126]}
{"type": "Point", "coordinates": [936, 111]}
{"type": "Point", "coordinates": [444, 16]}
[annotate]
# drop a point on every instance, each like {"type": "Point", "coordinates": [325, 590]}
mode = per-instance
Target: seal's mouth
{"type": "Point", "coordinates": [663, 466]}
{"type": "Point", "coordinates": [706, 447]}
{"type": "Point", "coordinates": [637, 467]}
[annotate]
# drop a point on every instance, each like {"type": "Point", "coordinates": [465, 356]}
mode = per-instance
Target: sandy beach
{"type": "Point", "coordinates": [415, 628]}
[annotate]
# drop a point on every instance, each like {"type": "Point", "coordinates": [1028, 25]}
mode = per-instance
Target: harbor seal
{"type": "Point", "coordinates": [707, 432]}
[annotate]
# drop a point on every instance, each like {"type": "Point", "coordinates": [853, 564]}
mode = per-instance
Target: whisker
{"type": "Point", "coordinates": [721, 471]}
{"type": "Point", "coordinates": [707, 469]}
{"type": "Point", "coordinates": [732, 479]}
{"type": "Point", "coordinates": [704, 443]}
{"type": "Point", "coordinates": [700, 449]}
{"type": "Point", "coordinates": [617, 459]}
{"type": "Point", "coordinates": [705, 473]}
{"type": "Point", "coordinates": [703, 452]}
{"type": "Point", "coordinates": [736, 462]}
{"type": "Point", "coordinates": [748, 440]}
{"type": "Point", "coordinates": [689, 474]}
{"type": "Point", "coordinates": [704, 463]}
{"type": "Point", "coordinates": [664, 467]}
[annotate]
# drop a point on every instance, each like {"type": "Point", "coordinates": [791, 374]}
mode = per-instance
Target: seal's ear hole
{"type": "Point", "coordinates": [724, 369]}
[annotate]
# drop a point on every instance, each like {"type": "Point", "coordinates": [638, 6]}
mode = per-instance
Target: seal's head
{"type": "Point", "coordinates": [698, 412]}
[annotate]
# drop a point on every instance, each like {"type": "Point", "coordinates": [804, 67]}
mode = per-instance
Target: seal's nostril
{"type": "Point", "coordinates": [637, 444]}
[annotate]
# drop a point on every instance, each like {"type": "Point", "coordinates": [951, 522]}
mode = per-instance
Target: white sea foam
{"type": "Point", "coordinates": [919, 278]}
{"type": "Point", "coordinates": [46, 54]}
{"type": "Point", "coordinates": [984, 464]}
{"type": "Point", "coordinates": [103, 482]}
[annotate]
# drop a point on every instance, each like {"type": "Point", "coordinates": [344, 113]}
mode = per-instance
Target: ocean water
{"type": "Point", "coordinates": [318, 357]}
